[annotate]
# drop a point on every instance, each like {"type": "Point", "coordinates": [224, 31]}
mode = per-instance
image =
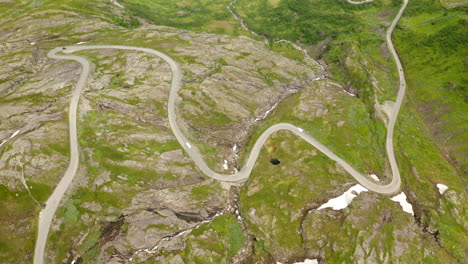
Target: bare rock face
{"type": "Point", "coordinates": [231, 84]}
{"type": "Point", "coordinates": [457, 206]}
{"type": "Point", "coordinates": [383, 220]}
{"type": "Point", "coordinates": [135, 186]}
{"type": "Point", "coordinates": [454, 3]}
{"type": "Point", "coordinates": [159, 219]}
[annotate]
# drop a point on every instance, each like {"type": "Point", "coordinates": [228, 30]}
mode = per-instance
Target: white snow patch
{"type": "Point", "coordinates": [401, 199]}
{"type": "Point", "coordinates": [266, 113]}
{"type": "Point", "coordinates": [225, 165]}
{"type": "Point", "coordinates": [181, 233]}
{"type": "Point", "coordinates": [32, 43]}
{"type": "Point", "coordinates": [442, 188]}
{"type": "Point", "coordinates": [12, 136]}
{"type": "Point", "coordinates": [81, 42]}
{"type": "Point", "coordinates": [306, 261]}
{"type": "Point", "coordinates": [117, 3]}
{"type": "Point", "coordinates": [373, 176]}
{"type": "Point", "coordinates": [234, 148]}
{"type": "Point", "coordinates": [345, 199]}
{"type": "Point", "coordinates": [348, 93]}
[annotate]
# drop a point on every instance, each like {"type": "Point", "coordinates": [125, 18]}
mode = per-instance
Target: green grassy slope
{"type": "Point", "coordinates": [348, 37]}
{"type": "Point", "coordinates": [199, 15]}
{"type": "Point", "coordinates": [354, 55]}
{"type": "Point", "coordinates": [432, 44]}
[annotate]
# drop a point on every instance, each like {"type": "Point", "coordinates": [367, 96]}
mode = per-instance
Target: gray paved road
{"type": "Point", "coordinates": [46, 216]}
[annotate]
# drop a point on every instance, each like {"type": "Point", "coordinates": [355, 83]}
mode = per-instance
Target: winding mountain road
{"type": "Point", "coordinates": [47, 214]}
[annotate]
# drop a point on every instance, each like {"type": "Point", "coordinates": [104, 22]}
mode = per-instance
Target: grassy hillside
{"type": "Point", "coordinates": [348, 37]}
{"type": "Point", "coordinates": [204, 15]}
{"type": "Point", "coordinates": [432, 44]}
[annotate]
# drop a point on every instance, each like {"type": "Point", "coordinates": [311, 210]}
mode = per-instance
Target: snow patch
{"type": "Point", "coordinates": [306, 261]}
{"type": "Point", "coordinates": [345, 199]}
{"type": "Point", "coordinates": [442, 188]}
{"type": "Point", "coordinates": [117, 3]}
{"type": "Point", "coordinates": [348, 93]}
{"type": "Point", "coordinates": [81, 42]}
{"type": "Point", "coordinates": [373, 176]}
{"type": "Point", "coordinates": [225, 165]}
{"type": "Point", "coordinates": [12, 136]}
{"type": "Point", "coordinates": [401, 199]}
{"type": "Point", "coordinates": [267, 112]}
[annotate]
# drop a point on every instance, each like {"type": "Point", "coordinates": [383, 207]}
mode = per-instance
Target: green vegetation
{"type": "Point", "coordinates": [111, 154]}
{"type": "Point", "coordinates": [280, 194]}
{"type": "Point", "coordinates": [39, 191]}
{"type": "Point", "coordinates": [104, 10]}
{"type": "Point", "coordinates": [18, 213]}
{"type": "Point", "coordinates": [304, 177]}
{"type": "Point", "coordinates": [160, 227]}
{"type": "Point", "coordinates": [359, 139]}
{"type": "Point", "coordinates": [307, 21]}
{"type": "Point", "coordinates": [222, 239]}
{"type": "Point", "coordinates": [437, 84]}
{"type": "Point", "coordinates": [78, 221]}
{"type": "Point", "coordinates": [422, 166]}
{"type": "Point", "coordinates": [349, 38]}
{"type": "Point", "coordinates": [421, 160]}
{"type": "Point", "coordinates": [199, 15]}
{"type": "Point", "coordinates": [391, 228]}
{"type": "Point", "coordinates": [126, 21]}
{"type": "Point", "coordinates": [205, 191]}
